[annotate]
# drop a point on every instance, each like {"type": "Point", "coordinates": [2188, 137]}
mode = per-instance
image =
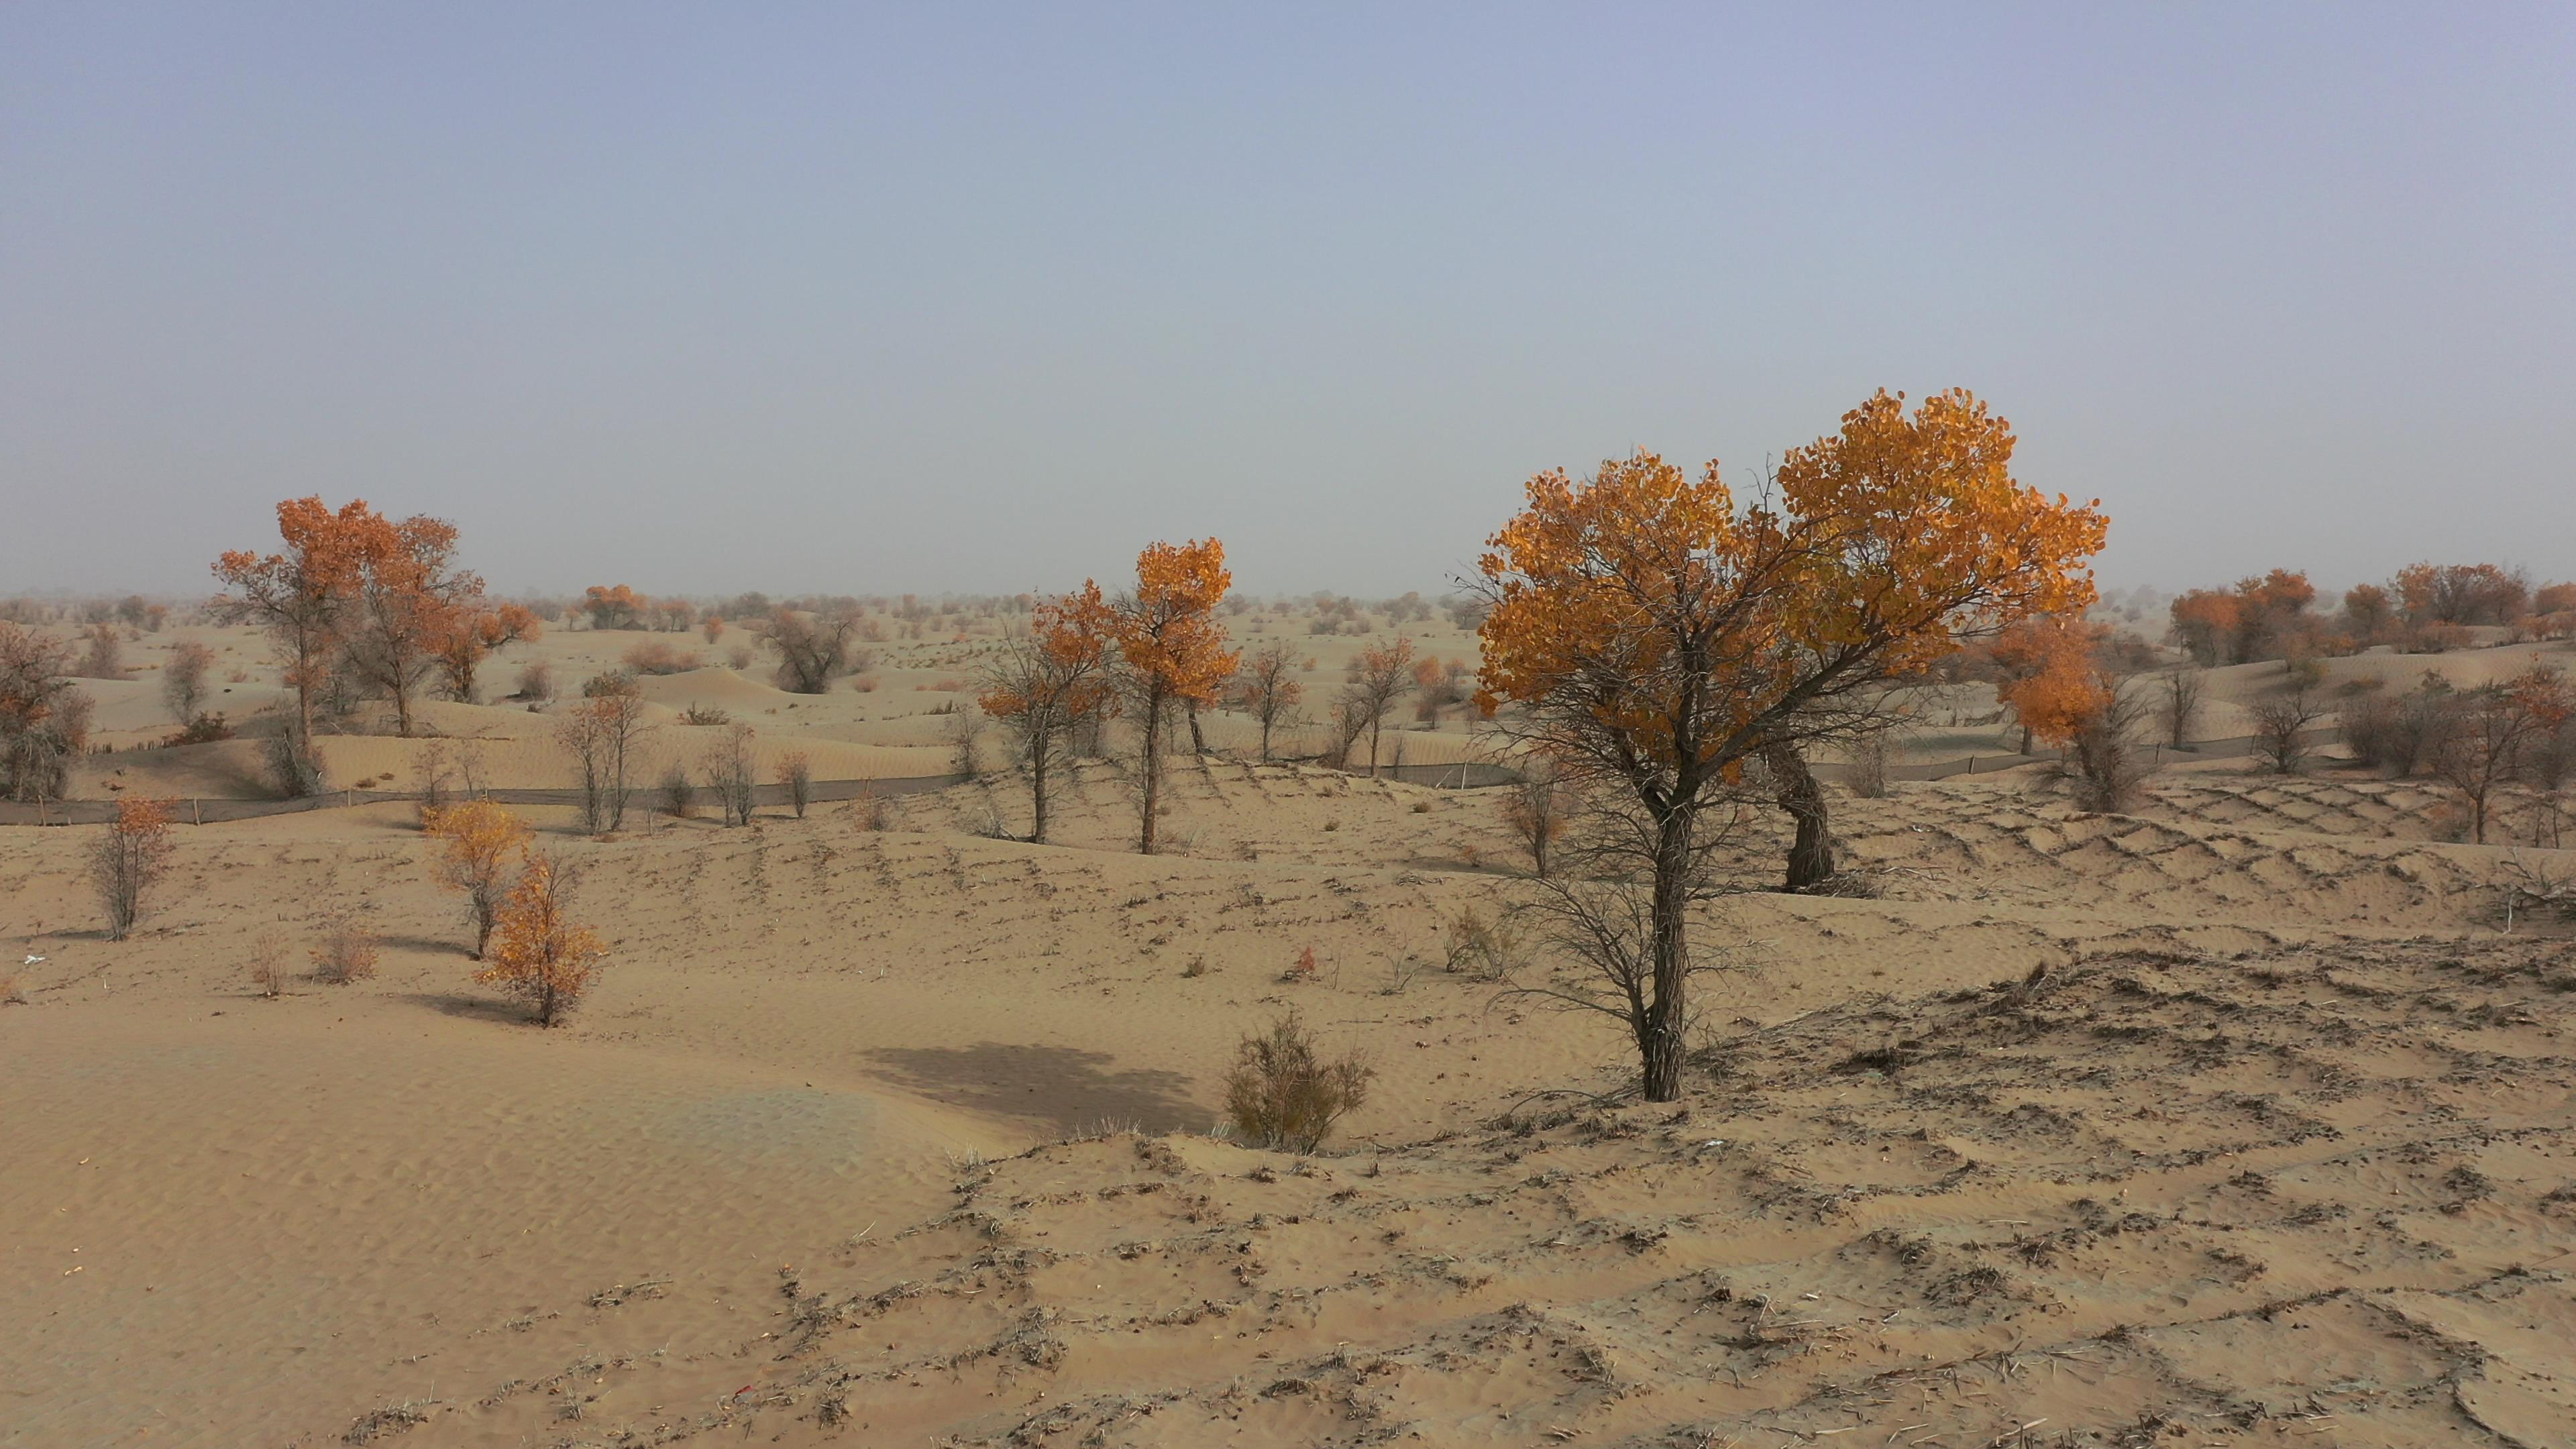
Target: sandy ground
{"type": "Point", "coordinates": [897, 1135]}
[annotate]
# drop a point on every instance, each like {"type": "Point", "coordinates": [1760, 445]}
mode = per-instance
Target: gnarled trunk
{"type": "Point", "coordinates": [1660, 1020]}
{"type": "Point", "coordinates": [1811, 854]}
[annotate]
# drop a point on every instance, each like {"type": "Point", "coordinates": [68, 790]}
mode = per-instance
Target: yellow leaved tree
{"type": "Point", "coordinates": [1652, 636]}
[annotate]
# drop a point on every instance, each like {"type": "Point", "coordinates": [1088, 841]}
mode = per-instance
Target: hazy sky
{"type": "Point", "coordinates": [861, 299]}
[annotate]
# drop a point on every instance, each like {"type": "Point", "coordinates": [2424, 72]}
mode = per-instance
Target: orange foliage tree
{"type": "Point", "coordinates": [614, 606]}
{"type": "Point", "coordinates": [2057, 689]}
{"type": "Point", "coordinates": [131, 858]}
{"type": "Point", "coordinates": [412, 603]}
{"type": "Point", "coordinates": [1655, 635]}
{"type": "Point", "coordinates": [2045, 674]}
{"type": "Point", "coordinates": [304, 594]}
{"type": "Point", "coordinates": [543, 954]}
{"type": "Point", "coordinates": [474, 634]}
{"type": "Point", "coordinates": [1172, 645]}
{"type": "Point", "coordinates": [1043, 686]}
{"type": "Point", "coordinates": [478, 842]}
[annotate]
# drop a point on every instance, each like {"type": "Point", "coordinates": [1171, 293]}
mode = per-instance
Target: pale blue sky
{"type": "Point", "coordinates": [977, 297]}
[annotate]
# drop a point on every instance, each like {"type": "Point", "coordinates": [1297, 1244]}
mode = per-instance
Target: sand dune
{"type": "Point", "coordinates": [842, 1149]}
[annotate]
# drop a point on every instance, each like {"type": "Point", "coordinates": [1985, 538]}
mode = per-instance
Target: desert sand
{"type": "Point", "coordinates": [2238, 1119]}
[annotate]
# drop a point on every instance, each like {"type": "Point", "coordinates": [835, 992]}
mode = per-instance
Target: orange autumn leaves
{"type": "Point", "coordinates": [1159, 646]}
{"type": "Point", "coordinates": [2052, 677]}
{"type": "Point", "coordinates": [381, 598]}
{"type": "Point", "coordinates": [1690, 627]}
{"type": "Point", "coordinates": [524, 931]}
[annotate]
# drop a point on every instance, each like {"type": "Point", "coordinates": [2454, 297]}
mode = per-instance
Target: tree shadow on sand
{"type": "Point", "coordinates": [1066, 1087]}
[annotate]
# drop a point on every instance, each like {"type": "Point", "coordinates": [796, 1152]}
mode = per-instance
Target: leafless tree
{"type": "Point", "coordinates": [813, 649]}
{"type": "Point", "coordinates": [2279, 724]}
{"type": "Point", "coordinates": [2107, 752]}
{"type": "Point", "coordinates": [2483, 747]}
{"type": "Point", "coordinates": [183, 679]}
{"type": "Point", "coordinates": [1379, 677]}
{"type": "Point", "coordinates": [796, 776]}
{"type": "Point", "coordinates": [2179, 703]}
{"type": "Point", "coordinates": [1535, 808]}
{"type": "Point", "coordinates": [1266, 688]}
{"type": "Point", "coordinates": [601, 732]}
{"type": "Point", "coordinates": [730, 767]}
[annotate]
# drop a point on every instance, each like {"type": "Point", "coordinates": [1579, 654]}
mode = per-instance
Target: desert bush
{"type": "Point", "coordinates": [813, 649]}
{"type": "Point", "coordinates": [1282, 1093]}
{"type": "Point", "coordinates": [738, 657]}
{"type": "Point", "coordinates": [44, 717]}
{"type": "Point", "coordinates": [105, 656]}
{"type": "Point", "coordinates": [347, 952]}
{"type": "Point", "coordinates": [543, 955]}
{"type": "Point", "coordinates": [679, 793]}
{"type": "Point", "coordinates": [267, 966]}
{"type": "Point", "coordinates": [705, 716]}
{"type": "Point", "coordinates": [205, 729]}
{"type": "Point", "coordinates": [730, 769]}
{"type": "Point", "coordinates": [130, 858]}
{"type": "Point", "coordinates": [183, 679]}
{"type": "Point", "coordinates": [660, 656]}
{"type": "Point", "coordinates": [1488, 949]}
{"type": "Point", "coordinates": [2110, 765]}
{"type": "Point", "coordinates": [294, 767]}
{"type": "Point", "coordinates": [536, 682]}
{"type": "Point", "coordinates": [1535, 809]}
{"type": "Point", "coordinates": [796, 776]}
{"type": "Point", "coordinates": [870, 811]}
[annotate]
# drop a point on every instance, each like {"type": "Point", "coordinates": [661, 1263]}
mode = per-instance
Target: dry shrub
{"type": "Point", "coordinates": [658, 656]}
{"type": "Point", "coordinates": [536, 682]}
{"type": "Point", "coordinates": [871, 810]}
{"type": "Point", "coordinates": [679, 792]}
{"type": "Point", "coordinates": [705, 715]}
{"type": "Point", "coordinates": [293, 766]}
{"type": "Point", "coordinates": [1281, 1092]}
{"type": "Point", "coordinates": [267, 970]}
{"type": "Point", "coordinates": [1488, 950]}
{"type": "Point", "coordinates": [347, 953]}
{"type": "Point", "coordinates": [1535, 810]}
{"type": "Point", "coordinates": [1305, 969]}
{"type": "Point", "coordinates": [204, 729]}
{"type": "Point", "coordinates": [1867, 771]}
{"type": "Point", "coordinates": [796, 776]}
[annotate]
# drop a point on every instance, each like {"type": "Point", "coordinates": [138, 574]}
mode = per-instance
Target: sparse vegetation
{"type": "Point", "coordinates": [1282, 1093]}
{"type": "Point", "coordinates": [132, 856]}
{"type": "Point", "coordinates": [542, 953]}
{"type": "Point", "coordinates": [347, 952]}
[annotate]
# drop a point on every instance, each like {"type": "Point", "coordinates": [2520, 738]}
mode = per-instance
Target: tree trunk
{"type": "Point", "coordinates": [1376, 723]}
{"type": "Point", "coordinates": [1660, 1030]}
{"type": "Point", "coordinates": [1038, 789]}
{"type": "Point", "coordinates": [2025, 739]}
{"type": "Point", "coordinates": [1811, 855]}
{"type": "Point", "coordinates": [1153, 766]}
{"type": "Point", "coordinates": [1198, 741]}
{"type": "Point", "coordinates": [1265, 739]}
